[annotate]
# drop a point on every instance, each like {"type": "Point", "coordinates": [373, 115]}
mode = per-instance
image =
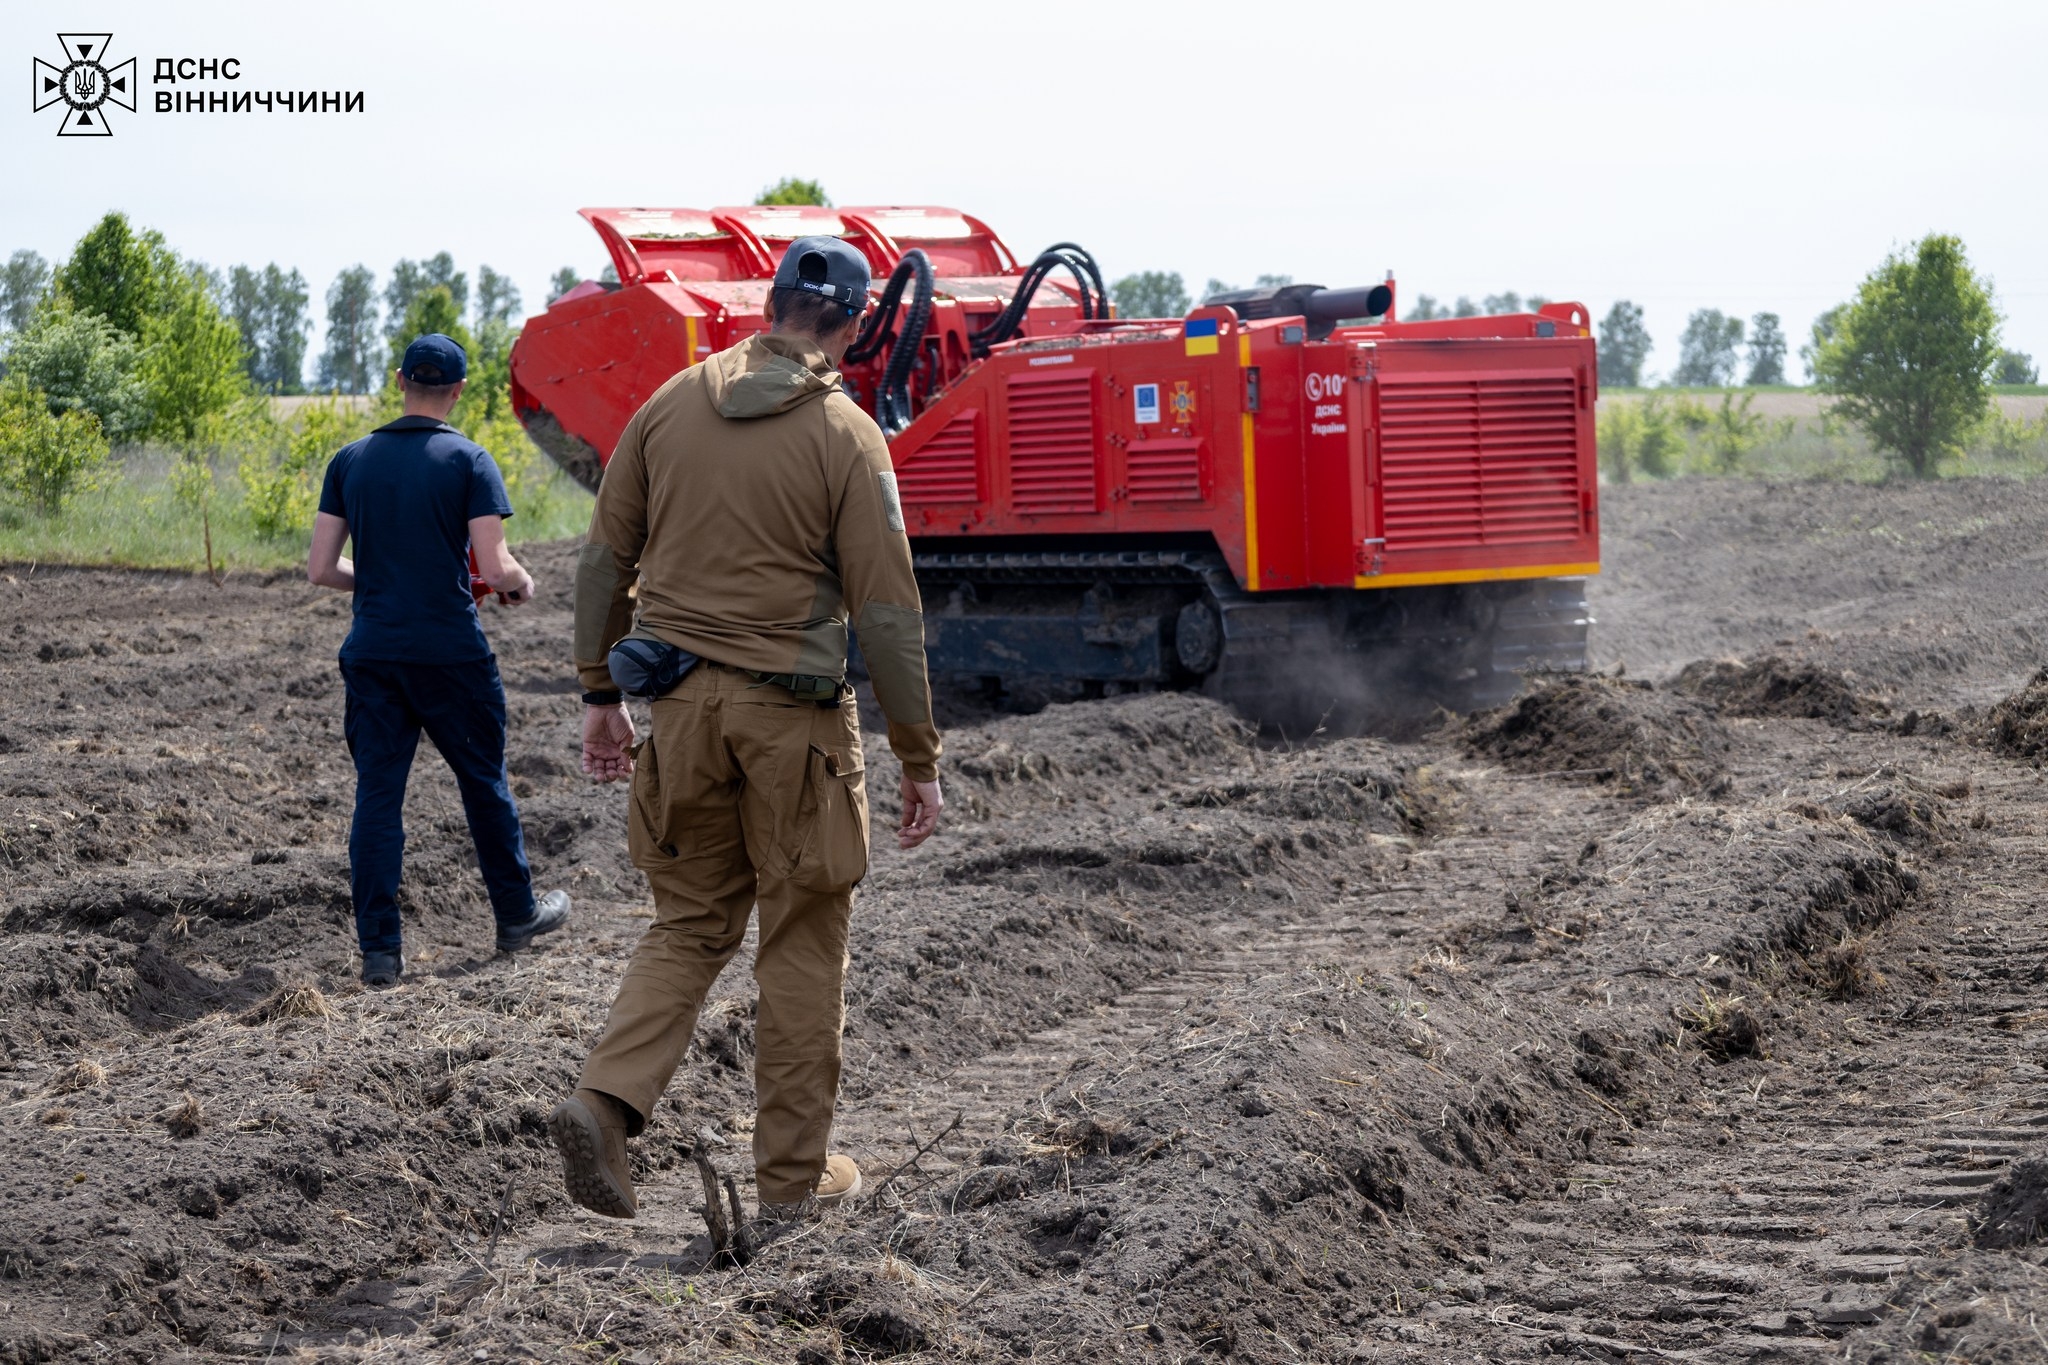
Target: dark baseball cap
{"type": "Point", "coordinates": [828, 266]}
{"type": "Point", "coordinates": [435, 359]}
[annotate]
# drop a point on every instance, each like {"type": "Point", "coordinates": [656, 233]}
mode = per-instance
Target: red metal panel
{"type": "Point", "coordinates": [1053, 443]}
{"type": "Point", "coordinates": [1332, 441]}
{"type": "Point", "coordinates": [592, 363]}
{"type": "Point", "coordinates": [1164, 471]}
{"type": "Point", "coordinates": [947, 468]}
{"type": "Point", "coordinates": [1478, 460]}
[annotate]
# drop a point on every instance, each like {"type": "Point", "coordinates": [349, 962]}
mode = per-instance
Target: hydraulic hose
{"type": "Point", "coordinates": [1061, 255]}
{"type": "Point", "coordinates": [1087, 261]}
{"type": "Point", "coordinates": [868, 344]}
{"type": "Point", "coordinates": [892, 396]}
{"type": "Point", "coordinates": [892, 403]}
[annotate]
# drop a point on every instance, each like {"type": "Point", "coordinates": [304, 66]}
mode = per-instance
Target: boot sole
{"type": "Point", "coordinates": [584, 1174]}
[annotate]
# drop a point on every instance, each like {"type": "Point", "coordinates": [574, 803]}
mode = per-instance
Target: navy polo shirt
{"type": "Point", "coordinates": [408, 491]}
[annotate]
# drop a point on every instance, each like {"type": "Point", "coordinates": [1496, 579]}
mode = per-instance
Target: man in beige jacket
{"type": "Point", "coordinates": [755, 504]}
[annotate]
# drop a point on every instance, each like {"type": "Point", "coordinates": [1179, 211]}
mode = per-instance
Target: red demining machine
{"type": "Point", "coordinates": [1286, 498]}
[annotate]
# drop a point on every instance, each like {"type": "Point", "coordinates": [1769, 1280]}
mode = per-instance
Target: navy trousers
{"type": "Point", "coordinates": [462, 709]}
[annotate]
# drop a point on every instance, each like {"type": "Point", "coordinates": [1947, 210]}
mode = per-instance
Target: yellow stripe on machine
{"type": "Point", "coordinates": [1410, 580]}
{"type": "Point", "coordinates": [1251, 482]}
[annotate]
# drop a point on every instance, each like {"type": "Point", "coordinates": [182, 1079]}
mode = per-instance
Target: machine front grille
{"type": "Point", "coordinates": [1164, 471]}
{"type": "Point", "coordinates": [1052, 443]}
{"type": "Point", "coordinates": [947, 468]}
{"type": "Point", "coordinates": [1472, 462]}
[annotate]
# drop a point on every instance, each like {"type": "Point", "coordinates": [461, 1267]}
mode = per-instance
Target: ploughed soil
{"type": "Point", "coordinates": [1697, 1010]}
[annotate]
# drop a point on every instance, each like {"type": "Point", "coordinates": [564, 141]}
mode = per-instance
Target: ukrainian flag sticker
{"type": "Point", "coordinates": [1200, 335]}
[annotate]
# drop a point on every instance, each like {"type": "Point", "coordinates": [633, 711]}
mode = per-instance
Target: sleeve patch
{"type": "Point", "coordinates": [892, 506]}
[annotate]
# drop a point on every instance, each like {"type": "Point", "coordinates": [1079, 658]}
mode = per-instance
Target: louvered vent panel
{"type": "Point", "coordinates": [1472, 462]}
{"type": "Point", "coordinates": [1164, 471]}
{"type": "Point", "coordinates": [1052, 444]}
{"type": "Point", "coordinates": [947, 468]}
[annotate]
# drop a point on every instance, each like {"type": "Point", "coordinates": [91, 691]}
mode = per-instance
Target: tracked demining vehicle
{"type": "Point", "coordinates": [1286, 498]}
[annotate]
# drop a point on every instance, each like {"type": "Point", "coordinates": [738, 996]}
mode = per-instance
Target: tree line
{"type": "Point", "coordinates": [1911, 359]}
{"type": "Point", "coordinates": [127, 341]}
{"type": "Point", "coordinates": [122, 276]}
{"type": "Point", "coordinates": [1714, 351]}
{"type": "Point", "coordinates": [1713, 347]}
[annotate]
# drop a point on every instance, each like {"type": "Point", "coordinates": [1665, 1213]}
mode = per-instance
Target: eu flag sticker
{"type": "Point", "coordinates": [1200, 335]}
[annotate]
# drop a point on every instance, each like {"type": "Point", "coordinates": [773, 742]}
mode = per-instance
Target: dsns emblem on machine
{"type": "Point", "coordinates": [85, 84]}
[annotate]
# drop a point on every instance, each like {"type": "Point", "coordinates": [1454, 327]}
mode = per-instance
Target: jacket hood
{"type": "Point", "coordinates": [768, 374]}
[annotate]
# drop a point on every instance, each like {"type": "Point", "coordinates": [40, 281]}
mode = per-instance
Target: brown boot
{"type": "Point", "coordinates": [589, 1129]}
{"type": "Point", "coordinates": [840, 1183]}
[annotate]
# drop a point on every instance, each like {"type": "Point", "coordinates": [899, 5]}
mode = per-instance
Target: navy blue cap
{"type": "Point", "coordinates": [441, 358]}
{"type": "Point", "coordinates": [828, 266]}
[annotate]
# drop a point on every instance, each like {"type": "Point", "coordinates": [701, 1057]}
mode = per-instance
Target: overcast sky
{"type": "Point", "coordinates": [1738, 156]}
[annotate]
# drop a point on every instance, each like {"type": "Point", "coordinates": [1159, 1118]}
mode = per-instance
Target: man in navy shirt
{"type": "Point", "coordinates": [416, 496]}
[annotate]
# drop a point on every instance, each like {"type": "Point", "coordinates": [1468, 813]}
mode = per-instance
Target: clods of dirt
{"type": "Point", "coordinates": [1778, 687]}
{"type": "Point", "coordinates": [1072, 749]}
{"type": "Point", "coordinates": [2018, 726]}
{"type": "Point", "coordinates": [2015, 1212]}
{"type": "Point", "coordinates": [1905, 810]}
{"type": "Point", "coordinates": [875, 1315]}
{"type": "Point", "coordinates": [1348, 782]}
{"type": "Point", "coordinates": [1611, 730]}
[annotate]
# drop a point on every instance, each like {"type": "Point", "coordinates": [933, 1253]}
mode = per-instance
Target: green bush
{"type": "Point", "coordinates": [1691, 414]}
{"type": "Point", "coordinates": [281, 477]}
{"type": "Point", "coordinates": [1616, 436]}
{"type": "Point", "coordinates": [2006, 439]}
{"type": "Point", "coordinates": [46, 457]}
{"type": "Point", "coordinates": [1660, 444]}
{"type": "Point", "coordinates": [80, 361]}
{"type": "Point", "coordinates": [1639, 436]}
{"type": "Point", "coordinates": [1732, 433]}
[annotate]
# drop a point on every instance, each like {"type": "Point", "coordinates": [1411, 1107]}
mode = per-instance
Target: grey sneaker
{"type": "Point", "coordinates": [550, 913]}
{"type": "Point", "coordinates": [383, 969]}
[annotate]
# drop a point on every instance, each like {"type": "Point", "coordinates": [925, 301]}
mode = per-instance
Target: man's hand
{"type": "Point", "coordinates": [505, 575]}
{"type": "Point", "coordinates": [518, 590]}
{"type": "Point", "coordinates": [607, 731]}
{"type": "Point", "coordinates": [921, 802]}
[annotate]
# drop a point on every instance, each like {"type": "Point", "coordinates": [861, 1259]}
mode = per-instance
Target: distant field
{"type": "Point", "coordinates": [2016, 402]}
{"type": "Point", "coordinates": [287, 405]}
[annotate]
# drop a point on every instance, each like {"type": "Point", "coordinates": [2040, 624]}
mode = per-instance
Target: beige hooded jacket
{"type": "Point", "coordinates": [756, 505]}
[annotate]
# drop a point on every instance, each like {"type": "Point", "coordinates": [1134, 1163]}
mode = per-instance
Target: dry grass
{"type": "Point", "coordinates": [83, 1074]}
{"type": "Point", "coordinates": [1722, 1026]}
{"type": "Point", "coordinates": [184, 1120]}
{"type": "Point", "coordinates": [55, 1116]}
{"type": "Point", "coordinates": [296, 1001]}
{"type": "Point", "coordinates": [1844, 970]}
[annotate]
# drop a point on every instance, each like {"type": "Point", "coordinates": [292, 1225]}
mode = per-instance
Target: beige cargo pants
{"type": "Point", "coordinates": [744, 796]}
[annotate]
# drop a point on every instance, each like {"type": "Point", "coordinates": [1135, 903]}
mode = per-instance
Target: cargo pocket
{"type": "Point", "coordinates": [647, 832]}
{"type": "Point", "coordinates": [835, 839]}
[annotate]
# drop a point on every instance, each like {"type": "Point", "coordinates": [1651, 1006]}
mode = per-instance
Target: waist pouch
{"type": "Point", "coordinates": [644, 666]}
{"type": "Point", "coordinates": [809, 687]}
